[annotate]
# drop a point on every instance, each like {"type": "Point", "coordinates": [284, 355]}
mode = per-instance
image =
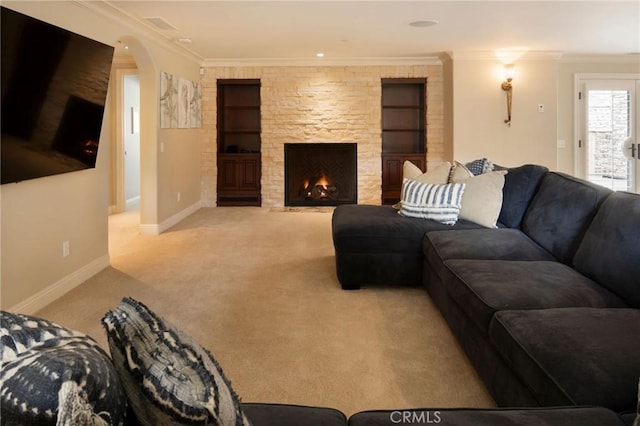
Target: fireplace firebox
{"type": "Point", "coordinates": [320, 174]}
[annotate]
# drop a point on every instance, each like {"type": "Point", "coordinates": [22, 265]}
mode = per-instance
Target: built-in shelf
{"type": "Point", "coordinates": [403, 131]}
{"type": "Point", "coordinates": [239, 142]}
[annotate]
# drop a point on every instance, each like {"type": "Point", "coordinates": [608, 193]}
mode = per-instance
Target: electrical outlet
{"type": "Point", "coordinates": [540, 107]}
{"type": "Point", "coordinates": [65, 248]}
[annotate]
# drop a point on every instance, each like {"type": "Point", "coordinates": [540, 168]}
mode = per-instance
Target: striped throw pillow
{"type": "Point", "coordinates": [440, 203]}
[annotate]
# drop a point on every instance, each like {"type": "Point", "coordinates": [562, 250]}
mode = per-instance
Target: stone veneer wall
{"type": "Point", "coordinates": [319, 104]}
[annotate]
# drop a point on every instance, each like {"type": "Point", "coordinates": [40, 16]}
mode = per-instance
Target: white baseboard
{"type": "Point", "coordinates": [132, 203]}
{"type": "Point", "coordinates": [157, 229]}
{"type": "Point", "coordinates": [62, 286]}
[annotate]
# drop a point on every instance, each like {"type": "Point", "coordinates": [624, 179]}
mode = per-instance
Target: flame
{"type": "Point", "coordinates": [323, 181]}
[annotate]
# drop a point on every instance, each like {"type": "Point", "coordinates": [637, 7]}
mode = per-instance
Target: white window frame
{"type": "Point", "coordinates": [578, 112]}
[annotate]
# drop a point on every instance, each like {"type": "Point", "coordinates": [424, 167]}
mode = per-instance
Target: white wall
{"type": "Point", "coordinates": [479, 111]}
{"type": "Point", "coordinates": [38, 215]}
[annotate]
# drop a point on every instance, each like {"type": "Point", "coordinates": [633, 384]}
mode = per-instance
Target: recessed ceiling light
{"type": "Point", "coordinates": [185, 40]}
{"type": "Point", "coordinates": [320, 55]}
{"type": "Point", "coordinates": [424, 23]}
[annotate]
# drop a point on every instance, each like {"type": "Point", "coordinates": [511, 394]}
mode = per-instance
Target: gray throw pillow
{"type": "Point", "coordinates": [53, 375]}
{"type": "Point", "coordinates": [168, 377]}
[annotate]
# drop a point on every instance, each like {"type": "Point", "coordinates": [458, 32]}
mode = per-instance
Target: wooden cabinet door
{"type": "Point", "coordinates": [249, 171]}
{"type": "Point", "coordinates": [227, 173]}
{"type": "Point", "coordinates": [239, 180]}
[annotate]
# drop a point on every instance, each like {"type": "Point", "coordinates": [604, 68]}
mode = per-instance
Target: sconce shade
{"type": "Point", "coordinates": [509, 72]}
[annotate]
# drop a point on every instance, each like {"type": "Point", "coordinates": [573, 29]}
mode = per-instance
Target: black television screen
{"type": "Point", "coordinates": [54, 88]}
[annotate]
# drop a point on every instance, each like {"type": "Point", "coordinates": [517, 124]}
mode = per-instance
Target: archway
{"type": "Point", "coordinates": [149, 87]}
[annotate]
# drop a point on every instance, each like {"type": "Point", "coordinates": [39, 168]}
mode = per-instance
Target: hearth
{"type": "Point", "coordinates": [320, 174]}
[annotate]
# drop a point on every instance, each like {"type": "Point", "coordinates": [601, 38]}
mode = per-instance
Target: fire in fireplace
{"type": "Point", "coordinates": [320, 174]}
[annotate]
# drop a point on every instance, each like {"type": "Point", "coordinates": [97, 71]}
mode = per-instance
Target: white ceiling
{"type": "Point", "coordinates": [271, 30]}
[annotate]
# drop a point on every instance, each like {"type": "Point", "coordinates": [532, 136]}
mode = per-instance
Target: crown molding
{"type": "Point", "coordinates": [629, 58]}
{"type": "Point", "coordinates": [110, 11]}
{"type": "Point", "coordinates": [492, 55]}
{"type": "Point", "coordinates": [319, 62]}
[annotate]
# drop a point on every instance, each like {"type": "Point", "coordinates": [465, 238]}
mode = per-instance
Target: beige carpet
{"type": "Point", "coordinates": [258, 288]}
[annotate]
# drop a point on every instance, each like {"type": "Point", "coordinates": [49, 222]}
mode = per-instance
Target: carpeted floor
{"type": "Point", "coordinates": [257, 287]}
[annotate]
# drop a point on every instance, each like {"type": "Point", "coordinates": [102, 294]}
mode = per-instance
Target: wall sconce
{"type": "Point", "coordinates": [509, 72]}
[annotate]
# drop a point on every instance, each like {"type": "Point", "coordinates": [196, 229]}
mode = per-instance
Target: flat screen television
{"type": "Point", "coordinates": [54, 88]}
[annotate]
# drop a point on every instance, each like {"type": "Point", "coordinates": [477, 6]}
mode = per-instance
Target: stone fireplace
{"type": "Point", "coordinates": [320, 174]}
{"type": "Point", "coordinates": [311, 104]}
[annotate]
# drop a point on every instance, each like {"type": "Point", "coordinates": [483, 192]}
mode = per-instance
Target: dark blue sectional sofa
{"type": "Point", "coordinates": [546, 306]}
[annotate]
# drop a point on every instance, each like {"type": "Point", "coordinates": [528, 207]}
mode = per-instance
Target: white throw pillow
{"type": "Point", "coordinates": [459, 171]}
{"type": "Point", "coordinates": [482, 199]}
{"type": "Point", "coordinates": [438, 174]}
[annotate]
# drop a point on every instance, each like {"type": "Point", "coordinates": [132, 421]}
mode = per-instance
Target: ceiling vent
{"type": "Point", "coordinates": [160, 23]}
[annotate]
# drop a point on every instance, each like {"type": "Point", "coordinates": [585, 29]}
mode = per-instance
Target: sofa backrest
{"type": "Point", "coordinates": [610, 250]}
{"type": "Point", "coordinates": [520, 185]}
{"type": "Point", "coordinates": [560, 213]}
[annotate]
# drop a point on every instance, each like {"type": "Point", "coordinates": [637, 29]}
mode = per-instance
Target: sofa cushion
{"type": "Point", "coordinates": [482, 287]}
{"type": "Point", "coordinates": [557, 416]}
{"type": "Point", "coordinates": [51, 374]}
{"type": "Point", "coordinates": [499, 244]}
{"type": "Point", "coordinates": [610, 250]}
{"type": "Point", "coordinates": [560, 213]}
{"type": "Point", "coordinates": [168, 377]}
{"type": "Point", "coordinates": [440, 203]}
{"type": "Point", "coordinates": [292, 415]}
{"type": "Point", "coordinates": [573, 356]}
{"type": "Point", "coordinates": [520, 185]}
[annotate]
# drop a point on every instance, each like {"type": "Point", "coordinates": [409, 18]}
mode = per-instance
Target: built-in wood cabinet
{"type": "Point", "coordinates": [403, 131]}
{"type": "Point", "coordinates": [239, 142]}
{"type": "Point", "coordinates": [239, 180]}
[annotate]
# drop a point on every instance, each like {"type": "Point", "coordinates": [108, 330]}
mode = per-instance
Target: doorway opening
{"type": "Point", "coordinates": [608, 127]}
{"type": "Point", "coordinates": [124, 218]}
